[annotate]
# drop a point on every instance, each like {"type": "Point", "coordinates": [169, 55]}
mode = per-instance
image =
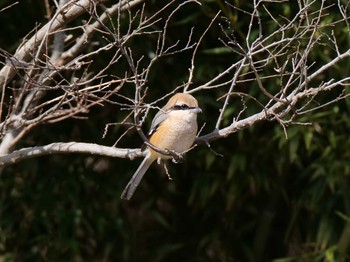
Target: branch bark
{"type": "Point", "coordinates": [68, 148]}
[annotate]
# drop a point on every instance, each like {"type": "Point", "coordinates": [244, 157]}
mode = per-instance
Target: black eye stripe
{"type": "Point", "coordinates": [181, 107]}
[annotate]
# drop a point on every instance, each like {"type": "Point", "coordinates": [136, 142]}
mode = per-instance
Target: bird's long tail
{"type": "Point", "coordinates": [136, 178]}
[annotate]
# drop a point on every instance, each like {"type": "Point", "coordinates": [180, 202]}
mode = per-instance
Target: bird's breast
{"type": "Point", "coordinates": [177, 132]}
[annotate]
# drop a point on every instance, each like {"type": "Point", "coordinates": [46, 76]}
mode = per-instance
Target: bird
{"type": "Point", "coordinates": [173, 128]}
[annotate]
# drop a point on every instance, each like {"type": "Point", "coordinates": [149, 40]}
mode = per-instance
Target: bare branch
{"type": "Point", "coordinates": [53, 77]}
{"type": "Point", "coordinates": [68, 148]}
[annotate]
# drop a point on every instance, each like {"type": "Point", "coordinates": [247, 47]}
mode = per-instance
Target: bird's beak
{"type": "Point", "coordinates": [197, 110]}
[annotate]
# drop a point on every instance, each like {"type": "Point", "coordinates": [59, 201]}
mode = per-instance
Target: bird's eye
{"type": "Point", "coordinates": [181, 107]}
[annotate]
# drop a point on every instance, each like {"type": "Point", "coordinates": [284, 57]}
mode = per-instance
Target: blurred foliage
{"type": "Point", "coordinates": [267, 198]}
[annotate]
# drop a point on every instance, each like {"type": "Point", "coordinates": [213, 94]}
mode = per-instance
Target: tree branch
{"type": "Point", "coordinates": [24, 53]}
{"type": "Point", "coordinates": [68, 148]}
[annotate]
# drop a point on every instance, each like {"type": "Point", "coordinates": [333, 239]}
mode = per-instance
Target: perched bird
{"type": "Point", "coordinates": [173, 128]}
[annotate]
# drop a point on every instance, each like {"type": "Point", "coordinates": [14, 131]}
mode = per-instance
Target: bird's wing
{"type": "Point", "coordinates": [160, 117]}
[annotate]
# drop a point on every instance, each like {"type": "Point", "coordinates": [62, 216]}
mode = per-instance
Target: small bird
{"type": "Point", "coordinates": [173, 128]}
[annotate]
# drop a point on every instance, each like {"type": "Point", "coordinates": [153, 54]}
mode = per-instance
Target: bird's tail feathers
{"type": "Point", "coordinates": [136, 178]}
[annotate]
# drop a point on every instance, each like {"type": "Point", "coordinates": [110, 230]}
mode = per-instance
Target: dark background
{"type": "Point", "coordinates": [265, 198]}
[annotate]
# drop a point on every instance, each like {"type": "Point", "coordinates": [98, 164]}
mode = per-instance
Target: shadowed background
{"type": "Point", "coordinates": [265, 198]}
